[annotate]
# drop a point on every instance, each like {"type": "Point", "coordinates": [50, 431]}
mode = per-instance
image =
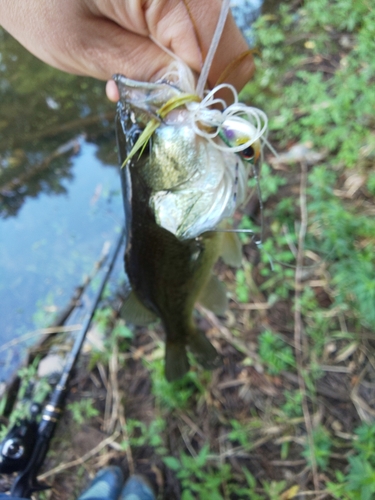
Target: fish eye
{"type": "Point", "coordinates": [248, 153]}
{"type": "Point", "coordinates": [135, 134]}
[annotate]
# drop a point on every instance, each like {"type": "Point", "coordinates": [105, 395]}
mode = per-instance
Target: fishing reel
{"type": "Point", "coordinates": [17, 446]}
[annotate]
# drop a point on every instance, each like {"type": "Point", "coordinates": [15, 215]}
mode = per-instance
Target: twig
{"type": "Point", "coordinates": [118, 411]}
{"type": "Point", "coordinates": [37, 333]}
{"type": "Point", "coordinates": [298, 320]}
{"type": "Point", "coordinates": [103, 375]}
{"type": "Point", "coordinates": [363, 409]}
{"type": "Point", "coordinates": [335, 369]}
{"type": "Point", "coordinates": [288, 463]}
{"type": "Point", "coordinates": [322, 494]}
{"type": "Point", "coordinates": [81, 460]}
{"type": "Point", "coordinates": [256, 306]}
{"type": "Point", "coordinates": [240, 451]}
{"type": "Point", "coordinates": [124, 429]}
{"type": "Point", "coordinates": [113, 370]}
{"type": "Point", "coordinates": [187, 443]}
{"type": "Point", "coordinates": [228, 336]}
{"type": "Point", "coordinates": [108, 402]}
{"type": "Point", "coordinates": [191, 424]}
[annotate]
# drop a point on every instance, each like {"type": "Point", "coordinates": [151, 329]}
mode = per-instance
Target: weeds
{"type": "Point", "coordinates": [198, 478]}
{"type": "Point", "coordinates": [359, 483]}
{"type": "Point", "coordinates": [321, 450]}
{"type": "Point", "coordinates": [242, 288]}
{"type": "Point", "coordinates": [314, 81]}
{"type": "Point", "coordinates": [82, 410]}
{"type": "Point", "coordinates": [142, 435]}
{"type": "Point", "coordinates": [275, 354]}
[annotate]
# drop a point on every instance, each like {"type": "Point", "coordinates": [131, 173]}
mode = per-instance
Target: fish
{"type": "Point", "coordinates": [178, 188]}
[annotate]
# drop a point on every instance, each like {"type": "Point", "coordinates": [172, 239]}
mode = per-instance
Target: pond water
{"type": "Point", "coordinates": [60, 197]}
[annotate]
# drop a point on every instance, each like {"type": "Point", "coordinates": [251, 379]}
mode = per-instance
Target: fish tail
{"type": "Point", "coordinates": [204, 351]}
{"type": "Point", "coordinates": [176, 361]}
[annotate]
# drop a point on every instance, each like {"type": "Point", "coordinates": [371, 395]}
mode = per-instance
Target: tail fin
{"type": "Point", "coordinates": [176, 361]}
{"type": "Point", "coordinates": [204, 351]}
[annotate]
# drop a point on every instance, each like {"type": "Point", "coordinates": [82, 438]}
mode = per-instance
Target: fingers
{"type": "Point", "coordinates": [184, 26]}
{"type": "Point", "coordinates": [112, 91]}
{"type": "Point", "coordinates": [106, 48]}
{"type": "Point", "coordinates": [70, 36]}
{"type": "Point", "coordinates": [187, 28]}
{"type": "Point", "coordinates": [98, 39]}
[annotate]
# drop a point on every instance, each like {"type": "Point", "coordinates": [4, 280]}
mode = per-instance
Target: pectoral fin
{"type": "Point", "coordinates": [231, 251]}
{"type": "Point", "coordinates": [134, 312]}
{"type": "Point", "coordinates": [214, 296]}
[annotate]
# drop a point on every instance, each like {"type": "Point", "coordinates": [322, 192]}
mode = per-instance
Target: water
{"type": "Point", "coordinates": [60, 195]}
{"type": "Point", "coordinates": [245, 12]}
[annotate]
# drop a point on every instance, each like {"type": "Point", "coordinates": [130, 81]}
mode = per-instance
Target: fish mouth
{"type": "Point", "coordinates": [145, 96]}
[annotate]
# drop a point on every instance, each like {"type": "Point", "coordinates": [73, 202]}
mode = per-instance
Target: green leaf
{"type": "Point", "coordinates": [172, 463]}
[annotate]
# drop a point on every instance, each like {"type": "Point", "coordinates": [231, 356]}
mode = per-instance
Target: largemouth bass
{"type": "Point", "coordinates": [177, 188]}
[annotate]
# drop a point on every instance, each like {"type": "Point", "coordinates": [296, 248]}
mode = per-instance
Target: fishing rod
{"type": "Point", "coordinates": [25, 447]}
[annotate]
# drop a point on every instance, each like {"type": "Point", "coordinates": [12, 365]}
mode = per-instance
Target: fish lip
{"type": "Point", "coordinates": [135, 84]}
{"type": "Point", "coordinates": [117, 77]}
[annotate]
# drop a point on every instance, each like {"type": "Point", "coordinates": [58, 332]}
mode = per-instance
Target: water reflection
{"type": "Point", "coordinates": [42, 109]}
{"type": "Point", "coordinates": [59, 189]}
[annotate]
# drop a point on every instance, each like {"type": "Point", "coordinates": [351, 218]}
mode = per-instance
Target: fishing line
{"type": "Point", "coordinates": [165, 49]}
{"type": "Point", "coordinates": [249, 231]}
{"type": "Point", "coordinates": [202, 80]}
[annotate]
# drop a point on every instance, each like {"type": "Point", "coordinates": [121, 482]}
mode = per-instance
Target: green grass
{"type": "Point", "coordinates": [82, 410]}
{"type": "Point", "coordinates": [315, 78]}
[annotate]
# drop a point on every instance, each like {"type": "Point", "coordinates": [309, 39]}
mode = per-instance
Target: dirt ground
{"type": "Point", "coordinates": [123, 389]}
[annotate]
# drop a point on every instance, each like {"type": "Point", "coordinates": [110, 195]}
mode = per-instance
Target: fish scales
{"type": "Point", "coordinates": [166, 274]}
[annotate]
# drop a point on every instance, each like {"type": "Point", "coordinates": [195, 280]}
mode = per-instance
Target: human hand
{"type": "Point", "coordinates": [101, 37]}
